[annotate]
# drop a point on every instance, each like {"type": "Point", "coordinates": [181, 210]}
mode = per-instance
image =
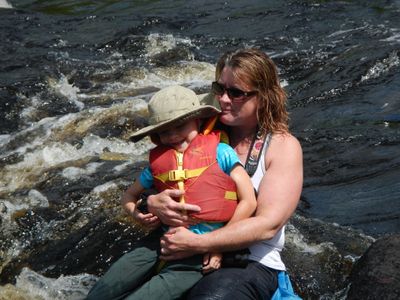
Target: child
{"type": "Point", "coordinates": [209, 172]}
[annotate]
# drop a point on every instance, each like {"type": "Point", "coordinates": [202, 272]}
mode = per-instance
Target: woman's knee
{"type": "Point", "coordinates": [216, 285]}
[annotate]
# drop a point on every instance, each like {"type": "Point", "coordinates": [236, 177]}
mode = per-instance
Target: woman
{"type": "Point", "coordinates": [253, 110]}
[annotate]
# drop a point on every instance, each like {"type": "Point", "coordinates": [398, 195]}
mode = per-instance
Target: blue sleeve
{"type": "Point", "coordinates": [226, 157]}
{"type": "Point", "coordinates": [146, 178]}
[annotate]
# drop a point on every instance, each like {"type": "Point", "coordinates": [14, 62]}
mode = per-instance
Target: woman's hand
{"type": "Point", "coordinates": [169, 211]}
{"type": "Point", "coordinates": [178, 243]}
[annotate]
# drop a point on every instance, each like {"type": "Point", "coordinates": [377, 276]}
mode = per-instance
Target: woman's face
{"type": "Point", "coordinates": [240, 111]}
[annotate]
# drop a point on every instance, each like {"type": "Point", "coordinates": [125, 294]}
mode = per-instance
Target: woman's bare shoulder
{"type": "Point", "coordinates": [285, 139]}
{"type": "Point", "coordinates": [283, 145]}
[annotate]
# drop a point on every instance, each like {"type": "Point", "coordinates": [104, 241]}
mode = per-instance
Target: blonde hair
{"type": "Point", "coordinates": [256, 69]}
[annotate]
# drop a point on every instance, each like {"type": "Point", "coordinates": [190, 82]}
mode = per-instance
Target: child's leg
{"type": "Point", "coordinates": [127, 273]}
{"type": "Point", "coordinates": [172, 282]}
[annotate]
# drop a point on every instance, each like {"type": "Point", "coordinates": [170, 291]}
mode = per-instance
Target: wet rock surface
{"type": "Point", "coordinates": [318, 261]}
{"type": "Point", "coordinates": [317, 266]}
{"type": "Point", "coordinates": [376, 275]}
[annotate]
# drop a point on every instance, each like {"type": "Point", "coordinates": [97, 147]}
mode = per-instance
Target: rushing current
{"type": "Point", "coordinates": [75, 77]}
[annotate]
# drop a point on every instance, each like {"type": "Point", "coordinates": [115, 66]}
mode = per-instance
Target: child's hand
{"type": "Point", "coordinates": [211, 262]}
{"type": "Point", "coordinates": [148, 220]}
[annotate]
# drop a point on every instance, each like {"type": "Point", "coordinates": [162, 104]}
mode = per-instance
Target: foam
{"type": "Point", "coordinates": [193, 74]}
{"type": "Point", "coordinates": [55, 154]}
{"type": "Point", "coordinates": [68, 90]}
{"type": "Point", "coordinates": [294, 236]}
{"type": "Point", "coordinates": [342, 32]}
{"type": "Point", "coordinates": [5, 4]}
{"type": "Point", "coordinates": [75, 173]}
{"type": "Point", "coordinates": [8, 208]}
{"type": "Point", "coordinates": [4, 139]}
{"type": "Point", "coordinates": [46, 147]}
{"type": "Point", "coordinates": [104, 187]}
{"type": "Point", "coordinates": [158, 43]}
{"type": "Point", "coordinates": [64, 287]}
{"type": "Point", "coordinates": [37, 199]}
{"type": "Point", "coordinates": [382, 67]}
{"type": "Point", "coordinates": [394, 38]}
{"type": "Point", "coordinates": [121, 167]}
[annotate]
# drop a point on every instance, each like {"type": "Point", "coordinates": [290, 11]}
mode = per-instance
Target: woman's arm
{"type": "Point", "coordinates": [175, 214]}
{"type": "Point", "coordinates": [278, 196]}
{"type": "Point", "coordinates": [129, 202]}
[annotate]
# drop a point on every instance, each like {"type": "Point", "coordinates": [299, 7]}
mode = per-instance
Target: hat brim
{"type": "Point", "coordinates": [209, 99]}
{"type": "Point", "coordinates": [201, 112]}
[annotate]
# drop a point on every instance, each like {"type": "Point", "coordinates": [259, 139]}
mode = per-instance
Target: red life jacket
{"type": "Point", "coordinates": [197, 172]}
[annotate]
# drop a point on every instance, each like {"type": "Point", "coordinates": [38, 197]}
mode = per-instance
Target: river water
{"type": "Point", "coordinates": [75, 77]}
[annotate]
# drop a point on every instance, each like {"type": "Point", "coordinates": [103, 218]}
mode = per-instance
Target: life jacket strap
{"type": "Point", "coordinates": [181, 183]}
{"type": "Point", "coordinates": [231, 195]}
{"type": "Point", "coordinates": [181, 175]}
{"type": "Point", "coordinates": [178, 175]}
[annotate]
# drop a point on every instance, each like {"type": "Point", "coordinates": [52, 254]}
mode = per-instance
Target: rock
{"type": "Point", "coordinates": [376, 275]}
{"type": "Point", "coordinates": [319, 256]}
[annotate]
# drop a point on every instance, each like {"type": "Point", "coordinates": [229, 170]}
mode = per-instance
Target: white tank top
{"type": "Point", "coordinates": [267, 252]}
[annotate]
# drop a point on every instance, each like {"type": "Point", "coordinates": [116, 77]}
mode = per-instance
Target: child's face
{"type": "Point", "coordinates": [179, 137]}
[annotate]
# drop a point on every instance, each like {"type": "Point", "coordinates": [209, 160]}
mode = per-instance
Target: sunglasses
{"type": "Point", "coordinates": [236, 95]}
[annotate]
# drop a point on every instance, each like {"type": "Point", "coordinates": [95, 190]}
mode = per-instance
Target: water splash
{"type": "Point", "coordinates": [75, 173]}
{"type": "Point", "coordinates": [193, 74]}
{"type": "Point", "coordinates": [294, 236]}
{"type": "Point", "coordinates": [67, 90]}
{"type": "Point", "coordinates": [62, 288]}
{"type": "Point", "coordinates": [5, 4]}
{"type": "Point", "coordinates": [382, 67]}
{"type": "Point", "coordinates": [55, 141]}
{"type": "Point", "coordinates": [159, 43]}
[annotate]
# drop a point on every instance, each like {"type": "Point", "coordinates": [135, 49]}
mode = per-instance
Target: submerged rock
{"type": "Point", "coordinates": [376, 275]}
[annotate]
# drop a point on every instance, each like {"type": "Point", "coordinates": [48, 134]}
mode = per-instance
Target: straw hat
{"type": "Point", "coordinates": [172, 106]}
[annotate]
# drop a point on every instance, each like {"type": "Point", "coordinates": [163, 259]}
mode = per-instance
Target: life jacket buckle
{"type": "Point", "coordinates": [176, 175]}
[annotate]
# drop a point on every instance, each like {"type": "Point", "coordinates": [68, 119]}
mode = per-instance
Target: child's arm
{"type": "Point", "coordinates": [129, 203]}
{"type": "Point", "coordinates": [246, 207]}
{"type": "Point", "coordinates": [245, 191]}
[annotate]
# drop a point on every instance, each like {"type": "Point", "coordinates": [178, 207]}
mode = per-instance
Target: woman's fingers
{"type": "Point", "coordinates": [170, 211]}
{"type": "Point", "coordinates": [189, 208]}
{"type": "Point", "coordinates": [174, 243]}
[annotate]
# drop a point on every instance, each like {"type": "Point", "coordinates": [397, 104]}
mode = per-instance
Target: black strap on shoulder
{"type": "Point", "coordinates": [254, 154]}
